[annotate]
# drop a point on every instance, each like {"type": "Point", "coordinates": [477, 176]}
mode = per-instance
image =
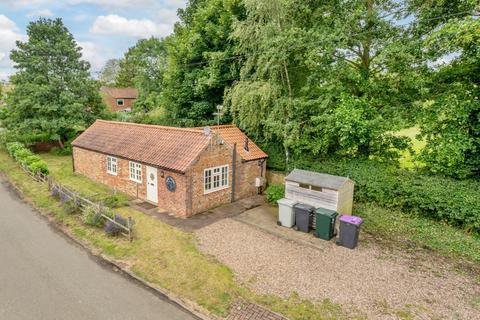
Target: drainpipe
{"type": "Point", "coordinates": [234, 169]}
{"type": "Point", "coordinates": [73, 161]}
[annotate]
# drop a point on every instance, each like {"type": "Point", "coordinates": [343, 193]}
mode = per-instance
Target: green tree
{"type": "Point", "coordinates": [450, 120]}
{"type": "Point", "coordinates": [109, 72]}
{"type": "Point", "coordinates": [323, 78]}
{"type": "Point", "coordinates": [143, 66]}
{"type": "Point", "coordinates": [53, 96]}
{"type": "Point", "coordinates": [201, 61]}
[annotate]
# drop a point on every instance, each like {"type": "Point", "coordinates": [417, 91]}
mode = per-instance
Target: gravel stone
{"type": "Point", "coordinates": [365, 278]}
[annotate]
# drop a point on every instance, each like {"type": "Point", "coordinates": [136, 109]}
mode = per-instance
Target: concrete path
{"type": "Point", "coordinates": [43, 275]}
{"type": "Point", "coordinates": [201, 220]}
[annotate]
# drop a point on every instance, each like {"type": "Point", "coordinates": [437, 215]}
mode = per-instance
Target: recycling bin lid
{"type": "Point", "coordinates": [304, 206]}
{"type": "Point", "coordinates": [326, 212]}
{"type": "Point", "coordinates": [351, 219]}
{"type": "Point", "coordinates": [287, 202]}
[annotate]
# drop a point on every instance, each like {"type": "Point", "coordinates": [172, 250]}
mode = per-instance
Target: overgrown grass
{"type": "Point", "coordinates": [159, 253]}
{"type": "Point", "coordinates": [395, 225]}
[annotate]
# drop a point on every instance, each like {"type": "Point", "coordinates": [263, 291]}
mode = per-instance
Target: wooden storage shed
{"type": "Point", "coordinates": [320, 190]}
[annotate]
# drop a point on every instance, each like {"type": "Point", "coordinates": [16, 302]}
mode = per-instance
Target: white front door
{"type": "Point", "coordinates": [152, 185]}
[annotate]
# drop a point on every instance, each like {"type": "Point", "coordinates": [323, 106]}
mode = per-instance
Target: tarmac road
{"type": "Point", "coordinates": [44, 275]}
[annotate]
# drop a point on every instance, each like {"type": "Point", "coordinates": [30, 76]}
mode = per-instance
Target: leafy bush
{"type": "Point", "coordinates": [12, 147]}
{"type": "Point", "coordinates": [28, 160]}
{"type": "Point", "coordinates": [39, 166]}
{"type": "Point", "coordinates": [92, 218]}
{"type": "Point", "coordinates": [21, 154]}
{"type": "Point", "coordinates": [113, 229]}
{"type": "Point", "coordinates": [26, 157]}
{"type": "Point", "coordinates": [444, 199]}
{"type": "Point", "coordinates": [115, 201]}
{"type": "Point", "coordinates": [275, 192]}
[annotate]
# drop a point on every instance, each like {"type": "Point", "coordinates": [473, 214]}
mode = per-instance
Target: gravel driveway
{"type": "Point", "coordinates": [381, 287]}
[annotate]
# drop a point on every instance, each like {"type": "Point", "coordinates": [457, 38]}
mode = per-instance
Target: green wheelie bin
{"type": "Point", "coordinates": [325, 223]}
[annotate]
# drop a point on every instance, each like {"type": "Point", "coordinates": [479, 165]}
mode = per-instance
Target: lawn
{"type": "Point", "coordinates": [159, 253]}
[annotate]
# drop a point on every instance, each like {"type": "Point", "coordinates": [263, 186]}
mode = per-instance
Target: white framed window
{"type": "Point", "coordinates": [112, 165]}
{"type": "Point", "coordinates": [135, 171]}
{"type": "Point", "coordinates": [120, 102]}
{"type": "Point", "coordinates": [215, 179]}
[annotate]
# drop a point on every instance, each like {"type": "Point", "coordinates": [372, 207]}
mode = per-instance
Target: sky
{"type": "Point", "coordinates": [104, 29]}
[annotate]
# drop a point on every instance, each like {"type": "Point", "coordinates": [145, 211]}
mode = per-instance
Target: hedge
{"type": "Point", "coordinates": [27, 158]}
{"type": "Point", "coordinates": [456, 202]}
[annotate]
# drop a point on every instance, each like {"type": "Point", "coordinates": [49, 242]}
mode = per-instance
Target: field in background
{"type": "Point", "coordinates": [407, 160]}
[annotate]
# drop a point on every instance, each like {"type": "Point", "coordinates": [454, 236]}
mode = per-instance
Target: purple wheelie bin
{"type": "Point", "coordinates": [349, 230]}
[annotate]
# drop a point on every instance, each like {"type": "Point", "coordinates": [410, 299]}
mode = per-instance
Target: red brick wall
{"type": "Point", "coordinates": [188, 198]}
{"type": "Point", "coordinates": [215, 155]}
{"type": "Point", "coordinates": [94, 166]}
{"type": "Point", "coordinates": [218, 155]}
{"type": "Point", "coordinates": [112, 103]}
{"type": "Point", "coordinates": [246, 174]}
{"type": "Point", "coordinates": [172, 201]}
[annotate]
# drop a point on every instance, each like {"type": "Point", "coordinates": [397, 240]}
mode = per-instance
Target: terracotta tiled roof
{"type": "Point", "coordinates": [125, 93]}
{"type": "Point", "coordinates": [165, 147]}
{"type": "Point", "coordinates": [232, 134]}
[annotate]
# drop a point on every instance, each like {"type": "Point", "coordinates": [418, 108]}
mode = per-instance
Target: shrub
{"type": "Point", "coordinates": [115, 201]}
{"type": "Point", "coordinates": [27, 161]}
{"type": "Point", "coordinates": [39, 166]}
{"type": "Point", "coordinates": [440, 198]}
{"type": "Point", "coordinates": [12, 147]}
{"type": "Point", "coordinates": [23, 155]}
{"type": "Point", "coordinates": [113, 229]}
{"type": "Point", "coordinates": [55, 191]}
{"type": "Point", "coordinates": [70, 207]}
{"type": "Point", "coordinates": [108, 212]}
{"type": "Point", "coordinates": [92, 218]}
{"type": "Point", "coordinates": [275, 192]}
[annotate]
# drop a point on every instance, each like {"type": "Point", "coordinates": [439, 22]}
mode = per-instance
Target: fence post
{"type": "Point", "coordinates": [129, 225]}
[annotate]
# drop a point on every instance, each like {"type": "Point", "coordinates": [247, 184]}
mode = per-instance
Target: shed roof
{"type": "Point", "coordinates": [119, 93]}
{"type": "Point", "coordinates": [165, 147]}
{"type": "Point", "coordinates": [317, 179]}
{"type": "Point", "coordinates": [231, 134]}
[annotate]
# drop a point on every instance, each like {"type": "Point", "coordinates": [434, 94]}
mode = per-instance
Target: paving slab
{"type": "Point", "coordinates": [204, 219]}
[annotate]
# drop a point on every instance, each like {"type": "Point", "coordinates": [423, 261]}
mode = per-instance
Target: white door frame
{"type": "Point", "coordinates": [152, 184]}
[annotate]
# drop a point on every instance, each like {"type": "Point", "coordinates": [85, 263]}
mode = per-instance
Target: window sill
{"type": "Point", "coordinates": [215, 190]}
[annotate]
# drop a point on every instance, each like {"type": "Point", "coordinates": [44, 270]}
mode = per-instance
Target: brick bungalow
{"type": "Point", "coordinates": [181, 170]}
{"type": "Point", "coordinates": [119, 99]}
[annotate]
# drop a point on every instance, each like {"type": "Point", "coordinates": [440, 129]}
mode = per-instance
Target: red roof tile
{"type": "Point", "coordinates": [232, 134]}
{"type": "Point", "coordinates": [125, 93]}
{"type": "Point", "coordinates": [165, 147]}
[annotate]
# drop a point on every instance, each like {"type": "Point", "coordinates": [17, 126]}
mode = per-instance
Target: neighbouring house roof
{"type": "Point", "coordinates": [231, 134]}
{"type": "Point", "coordinates": [120, 93]}
{"type": "Point", "coordinates": [317, 179]}
{"type": "Point", "coordinates": [165, 147]}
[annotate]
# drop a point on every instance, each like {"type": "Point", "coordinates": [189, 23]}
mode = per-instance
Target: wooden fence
{"type": "Point", "coordinates": [80, 201]}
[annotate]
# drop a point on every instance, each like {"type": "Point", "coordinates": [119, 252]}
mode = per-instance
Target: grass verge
{"type": "Point", "coordinates": [159, 253]}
